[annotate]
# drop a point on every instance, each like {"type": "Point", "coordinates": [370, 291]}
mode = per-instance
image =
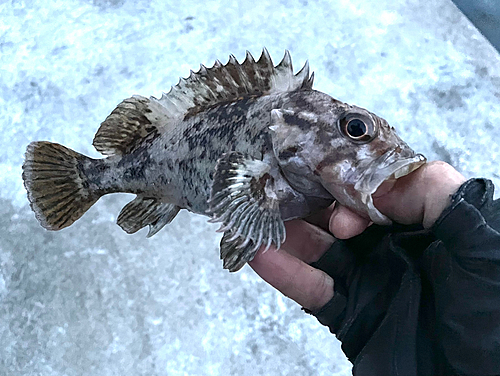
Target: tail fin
{"type": "Point", "coordinates": [57, 189]}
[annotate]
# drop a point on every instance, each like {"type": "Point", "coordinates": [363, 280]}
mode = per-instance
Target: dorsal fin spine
{"type": "Point", "coordinates": [286, 62]}
{"type": "Point", "coordinates": [310, 81]}
{"type": "Point", "coordinates": [202, 70]}
{"type": "Point", "coordinates": [249, 58]}
{"type": "Point", "coordinates": [303, 75]}
{"type": "Point", "coordinates": [266, 57]}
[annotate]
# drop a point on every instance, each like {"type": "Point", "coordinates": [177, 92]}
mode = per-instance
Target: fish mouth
{"type": "Point", "coordinates": [389, 167]}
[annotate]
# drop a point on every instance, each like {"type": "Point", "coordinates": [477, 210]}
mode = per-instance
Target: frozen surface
{"type": "Point", "coordinates": [91, 300]}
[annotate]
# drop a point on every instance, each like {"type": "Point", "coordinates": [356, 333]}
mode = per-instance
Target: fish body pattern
{"type": "Point", "coordinates": [251, 145]}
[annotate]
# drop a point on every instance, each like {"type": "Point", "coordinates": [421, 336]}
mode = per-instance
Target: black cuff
{"type": "Point", "coordinates": [474, 191]}
{"type": "Point", "coordinates": [342, 262]}
{"type": "Point", "coordinates": [332, 313]}
{"type": "Point", "coordinates": [337, 262]}
{"type": "Point", "coordinates": [344, 256]}
{"type": "Point", "coordinates": [464, 214]}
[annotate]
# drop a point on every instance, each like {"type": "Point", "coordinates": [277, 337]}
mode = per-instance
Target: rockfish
{"type": "Point", "coordinates": [251, 145]}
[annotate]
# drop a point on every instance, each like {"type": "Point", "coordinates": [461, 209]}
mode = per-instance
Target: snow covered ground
{"type": "Point", "coordinates": [92, 300]}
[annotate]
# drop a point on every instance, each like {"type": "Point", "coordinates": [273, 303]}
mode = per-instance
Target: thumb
{"type": "Point", "coordinates": [421, 196]}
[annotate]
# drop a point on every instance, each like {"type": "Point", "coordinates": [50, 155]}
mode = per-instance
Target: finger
{"type": "Point", "coordinates": [306, 241]}
{"type": "Point", "coordinates": [309, 287]}
{"type": "Point", "coordinates": [345, 224]}
{"type": "Point", "coordinates": [322, 217]}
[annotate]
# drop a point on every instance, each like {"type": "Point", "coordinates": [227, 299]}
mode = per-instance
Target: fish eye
{"type": "Point", "coordinates": [357, 127]}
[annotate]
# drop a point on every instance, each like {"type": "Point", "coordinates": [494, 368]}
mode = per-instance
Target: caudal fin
{"type": "Point", "coordinates": [57, 189]}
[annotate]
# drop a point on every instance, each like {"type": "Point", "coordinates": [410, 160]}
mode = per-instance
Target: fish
{"type": "Point", "coordinates": [251, 145]}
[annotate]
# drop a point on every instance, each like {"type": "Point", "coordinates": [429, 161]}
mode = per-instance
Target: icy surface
{"type": "Point", "coordinates": [91, 300]}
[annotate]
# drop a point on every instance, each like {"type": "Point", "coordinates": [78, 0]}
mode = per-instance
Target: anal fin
{"type": "Point", "coordinates": [146, 211]}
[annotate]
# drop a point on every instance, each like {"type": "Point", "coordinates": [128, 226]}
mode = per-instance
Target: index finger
{"type": "Point", "coordinates": [309, 287]}
{"type": "Point", "coordinates": [306, 241]}
{"type": "Point", "coordinates": [344, 223]}
{"type": "Point", "coordinates": [340, 221]}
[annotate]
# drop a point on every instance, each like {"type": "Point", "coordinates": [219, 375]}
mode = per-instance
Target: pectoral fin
{"type": "Point", "coordinates": [144, 211]}
{"type": "Point", "coordinates": [233, 255]}
{"type": "Point", "coordinates": [243, 199]}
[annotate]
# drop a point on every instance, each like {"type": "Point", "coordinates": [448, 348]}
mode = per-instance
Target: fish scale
{"type": "Point", "coordinates": [250, 145]}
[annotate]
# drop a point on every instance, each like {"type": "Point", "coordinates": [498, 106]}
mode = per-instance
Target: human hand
{"type": "Point", "coordinates": [419, 197]}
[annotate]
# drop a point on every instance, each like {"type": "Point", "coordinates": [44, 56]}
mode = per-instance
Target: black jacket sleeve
{"type": "Point", "coordinates": [410, 301]}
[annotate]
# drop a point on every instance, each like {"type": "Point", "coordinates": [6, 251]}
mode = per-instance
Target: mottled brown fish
{"type": "Point", "coordinates": [251, 145]}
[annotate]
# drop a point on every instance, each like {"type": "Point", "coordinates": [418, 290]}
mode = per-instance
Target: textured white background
{"type": "Point", "coordinates": [91, 300]}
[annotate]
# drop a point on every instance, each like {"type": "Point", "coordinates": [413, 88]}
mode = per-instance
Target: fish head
{"type": "Point", "coordinates": [342, 149]}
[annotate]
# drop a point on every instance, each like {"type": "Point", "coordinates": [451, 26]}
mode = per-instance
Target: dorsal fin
{"type": "Point", "coordinates": [226, 83]}
{"type": "Point", "coordinates": [133, 121]}
{"type": "Point", "coordinates": [138, 117]}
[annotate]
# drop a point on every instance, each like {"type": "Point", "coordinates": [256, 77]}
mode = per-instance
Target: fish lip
{"type": "Point", "coordinates": [391, 165]}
